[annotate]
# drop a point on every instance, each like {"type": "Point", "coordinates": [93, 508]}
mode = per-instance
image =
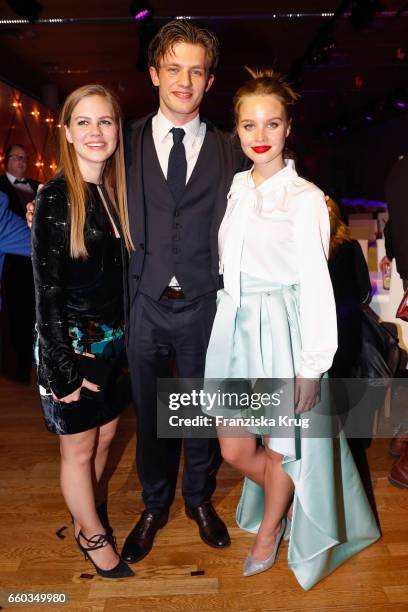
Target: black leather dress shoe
{"type": "Point", "coordinates": [140, 540]}
{"type": "Point", "coordinates": [212, 529]}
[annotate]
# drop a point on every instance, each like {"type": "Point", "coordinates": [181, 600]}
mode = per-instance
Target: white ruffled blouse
{"type": "Point", "coordinates": [280, 232]}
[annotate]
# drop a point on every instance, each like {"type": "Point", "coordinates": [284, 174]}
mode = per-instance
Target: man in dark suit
{"type": "Point", "coordinates": [179, 170]}
{"type": "Point", "coordinates": [396, 230]}
{"type": "Point", "coordinates": [18, 282]}
{"type": "Point", "coordinates": [395, 233]}
{"type": "Point", "coordinates": [14, 183]}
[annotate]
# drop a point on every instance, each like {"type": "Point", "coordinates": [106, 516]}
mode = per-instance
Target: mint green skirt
{"type": "Point", "coordinates": [332, 519]}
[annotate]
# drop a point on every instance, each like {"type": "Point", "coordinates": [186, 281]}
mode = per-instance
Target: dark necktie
{"type": "Point", "coordinates": [22, 181]}
{"type": "Point", "coordinates": [177, 167]}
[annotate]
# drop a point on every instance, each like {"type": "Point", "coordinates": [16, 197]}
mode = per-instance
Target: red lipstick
{"type": "Point", "coordinates": [263, 149]}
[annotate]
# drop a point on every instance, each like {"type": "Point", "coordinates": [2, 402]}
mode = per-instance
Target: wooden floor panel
{"type": "Point", "coordinates": [34, 558]}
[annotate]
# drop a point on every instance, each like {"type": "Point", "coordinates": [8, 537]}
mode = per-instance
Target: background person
{"type": "Point", "coordinates": [18, 274]}
{"type": "Point", "coordinates": [395, 234]}
{"type": "Point", "coordinates": [352, 287]}
{"type": "Point", "coordinates": [395, 231]}
{"type": "Point", "coordinates": [350, 278]}
{"type": "Point", "coordinates": [15, 239]}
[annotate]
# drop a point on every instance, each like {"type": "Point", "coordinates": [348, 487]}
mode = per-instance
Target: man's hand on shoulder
{"type": "Point", "coordinates": [30, 208]}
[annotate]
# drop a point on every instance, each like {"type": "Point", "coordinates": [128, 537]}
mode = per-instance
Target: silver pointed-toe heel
{"type": "Point", "coordinates": [286, 535]}
{"type": "Point", "coordinates": [254, 566]}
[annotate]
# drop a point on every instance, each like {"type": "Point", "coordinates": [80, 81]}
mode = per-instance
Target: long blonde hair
{"type": "Point", "coordinates": [339, 232]}
{"type": "Point", "coordinates": [114, 177]}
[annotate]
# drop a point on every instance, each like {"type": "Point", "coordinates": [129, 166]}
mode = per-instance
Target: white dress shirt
{"type": "Point", "coordinates": [195, 131]}
{"type": "Point", "coordinates": [280, 232]}
{"type": "Point", "coordinates": [22, 186]}
{"type": "Point", "coordinates": [163, 140]}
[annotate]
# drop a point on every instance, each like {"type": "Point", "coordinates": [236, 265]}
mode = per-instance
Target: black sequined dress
{"type": "Point", "coordinates": [79, 308]}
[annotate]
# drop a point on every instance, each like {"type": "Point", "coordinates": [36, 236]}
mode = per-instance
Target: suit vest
{"type": "Point", "coordinates": [178, 235]}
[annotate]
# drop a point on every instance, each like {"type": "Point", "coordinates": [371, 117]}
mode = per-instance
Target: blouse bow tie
{"type": "Point", "coordinates": [245, 196]}
{"type": "Point", "coordinates": [241, 199]}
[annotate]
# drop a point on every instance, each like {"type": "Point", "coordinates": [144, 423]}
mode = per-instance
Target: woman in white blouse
{"type": "Point", "coordinates": [276, 319]}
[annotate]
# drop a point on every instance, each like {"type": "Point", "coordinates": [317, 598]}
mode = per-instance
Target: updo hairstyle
{"type": "Point", "coordinates": [265, 82]}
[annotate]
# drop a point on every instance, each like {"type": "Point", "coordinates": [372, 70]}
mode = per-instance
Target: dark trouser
{"type": "Point", "coordinates": [20, 303]}
{"type": "Point", "coordinates": [161, 333]}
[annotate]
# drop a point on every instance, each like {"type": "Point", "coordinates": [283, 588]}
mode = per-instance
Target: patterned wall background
{"type": "Point", "coordinates": [25, 121]}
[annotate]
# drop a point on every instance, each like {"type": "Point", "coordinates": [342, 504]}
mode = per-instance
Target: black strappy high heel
{"type": "Point", "coordinates": [102, 512]}
{"type": "Point", "coordinates": [97, 541]}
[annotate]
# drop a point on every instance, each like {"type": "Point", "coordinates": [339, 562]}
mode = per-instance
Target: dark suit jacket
{"type": "Point", "coordinates": [7, 188]}
{"type": "Point", "coordinates": [230, 160]}
{"type": "Point", "coordinates": [351, 287]}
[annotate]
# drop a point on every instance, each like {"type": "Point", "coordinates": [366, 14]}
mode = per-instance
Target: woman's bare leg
{"type": "Point", "coordinates": [263, 466]}
{"type": "Point", "coordinates": [239, 449]}
{"type": "Point", "coordinates": [104, 439]}
{"type": "Point", "coordinates": [77, 452]}
{"type": "Point", "coordinates": [278, 490]}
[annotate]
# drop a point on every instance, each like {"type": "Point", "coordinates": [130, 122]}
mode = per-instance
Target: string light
{"type": "Point", "coordinates": [13, 21]}
{"type": "Point", "coordinates": [261, 16]}
{"type": "Point", "coordinates": [75, 20]}
{"type": "Point", "coordinates": [45, 167]}
{"type": "Point", "coordinates": [43, 21]}
{"type": "Point", "coordinates": [240, 17]}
